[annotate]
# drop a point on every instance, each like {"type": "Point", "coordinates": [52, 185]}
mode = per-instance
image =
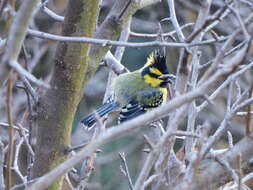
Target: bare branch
{"type": "Point", "coordinates": [105, 42]}
{"type": "Point", "coordinates": [141, 35]}
{"type": "Point", "coordinates": [2, 124]}
{"type": "Point", "coordinates": [15, 162]}
{"type": "Point", "coordinates": [50, 13]}
{"type": "Point", "coordinates": [238, 16]}
{"type": "Point", "coordinates": [230, 140]}
{"type": "Point", "coordinates": [223, 127]}
{"type": "Point", "coordinates": [127, 174]}
{"type": "Point", "coordinates": [224, 84]}
{"type": "Point", "coordinates": [11, 133]}
{"type": "Point", "coordinates": [228, 168]}
{"type": "Point", "coordinates": [174, 21]}
{"type": "Point", "coordinates": [220, 54]}
{"type": "Point", "coordinates": [150, 180]}
{"type": "Point", "coordinates": [23, 73]}
{"type": "Point", "coordinates": [111, 62]}
{"type": "Point", "coordinates": [2, 155]}
{"type": "Point", "coordinates": [102, 42]}
{"type": "Point", "coordinates": [213, 173]}
{"type": "Point", "coordinates": [16, 37]}
{"type": "Point", "coordinates": [248, 115]}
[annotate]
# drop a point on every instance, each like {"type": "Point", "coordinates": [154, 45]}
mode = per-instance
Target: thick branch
{"type": "Point", "coordinates": [57, 107]}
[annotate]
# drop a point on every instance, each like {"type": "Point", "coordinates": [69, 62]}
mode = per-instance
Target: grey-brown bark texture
{"type": "Point", "coordinates": [56, 109]}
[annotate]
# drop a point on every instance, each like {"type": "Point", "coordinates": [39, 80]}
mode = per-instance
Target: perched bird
{"type": "Point", "coordinates": [136, 92]}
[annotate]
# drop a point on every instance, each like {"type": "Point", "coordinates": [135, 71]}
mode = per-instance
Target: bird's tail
{"type": "Point", "coordinates": [91, 119]}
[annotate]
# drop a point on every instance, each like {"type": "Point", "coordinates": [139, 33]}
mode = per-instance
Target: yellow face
{"type": "Point", "coordinates": [153, 81]}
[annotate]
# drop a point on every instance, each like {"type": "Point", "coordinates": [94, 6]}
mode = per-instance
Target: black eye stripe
{"type": "Point", "coordinates": [153, 75]}
{"type": "Point", "coordinates": [146, 71]}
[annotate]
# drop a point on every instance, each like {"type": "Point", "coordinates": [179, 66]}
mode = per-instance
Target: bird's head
{"type": "Point", "coordinates": [155, 71]}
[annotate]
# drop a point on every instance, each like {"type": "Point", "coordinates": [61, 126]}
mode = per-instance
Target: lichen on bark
{"type": "Point", "coordinates": [57, 107]}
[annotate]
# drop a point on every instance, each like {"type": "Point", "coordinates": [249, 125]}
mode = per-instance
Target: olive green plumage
{"type": "Point", "coordinates": [136, 92]}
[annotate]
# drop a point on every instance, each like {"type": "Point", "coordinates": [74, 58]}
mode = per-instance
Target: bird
{"type": "Point", "coordinates": [134, 93]}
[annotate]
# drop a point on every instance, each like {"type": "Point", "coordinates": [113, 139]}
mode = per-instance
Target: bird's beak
{"type": "Point", "coordinates": [168, 78]}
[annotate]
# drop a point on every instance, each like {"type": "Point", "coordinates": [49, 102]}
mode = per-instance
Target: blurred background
{"type": "Point", "coordinates": [38, 56]}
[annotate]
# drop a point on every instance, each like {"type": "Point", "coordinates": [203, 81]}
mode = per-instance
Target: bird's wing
{"type": "Point", "coordinates": [131, 110]}
{"type": "Point", "coordinates": [145, 99]}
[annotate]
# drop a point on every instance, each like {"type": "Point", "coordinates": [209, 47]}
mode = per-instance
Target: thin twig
{"type": "Point", "coordinates": [105, 42]}
{"type": "Point", "coordinates": [16, 37]}
{"type": "Point", "coordinates": [24, 73]}
{"type": "Point", "coordinates": [150, 180]}
{"type": "Point", "coordinates": [238, 16]}
{"type": "Point", "coordinates": [248, 116]}
{"type": "Point", "coordinates": [2, 157]}
{"type": "Point", "coordinates": [24, 133]}
{"type": "Point", "coordinates": [2, 124]}
{"type": "Point", "coordinates": [185, 134]}
{"type": "Point", "coordinates": [23, 185]}
{"type": "Point", "coordinates": [174, 21]}
{"type": "Point", "coordinates": [239, 171]}
{"type": "Point", "coordinates": [74, 148]}
{"type": "Point", "coordinates": [66, 177]}
{"type": "Point", "coordinates": [30, 126]}
{"type": "Point", "coordinates": [211, 171]}
{"type": "Point", "coordinates": [30, 89]}
{"type": "Point", "coordinates": [229, 52]}
{"type": "Point", "coordinates": [167, 34]}
{"type": "Point", "coordinates": [243, 180]}
{"type": "Point", "coordinates": [220, 55]}
{"type": "Point", "coordinates": [224, 125]}
{"type": "Point", "coordinates": [228, 168]}
{"type": "Point", "coordinates": [30, 152]}
{"type": "Point", "coordinates": [49, 12]}
{"type": "Point", "coordinates": [230, 140]}
{"type": "Point", "coordinates": [149, 142]}
{"type": "Point", "coordinates": [209, 23]}
{"type": "Point", "coordinates": [102, 42]}
{"type": "Point", "coordinates": [16, 159]}
{"type": "Point", "coordinates": [11, 132]}
{"type": "Point", "coordinates": [243, 113]}
{"type": "Point", "coordinates": [126, 170]}
{"type": "Point", "coordinates": [229, 95]}
{"type": "Point", "coordinates": [224, 84]}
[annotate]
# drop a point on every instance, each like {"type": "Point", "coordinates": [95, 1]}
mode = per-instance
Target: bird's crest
{"type": "Point", "coordinates": [157, 62]}
{"type": "Point", "coordinates": [155, 72]}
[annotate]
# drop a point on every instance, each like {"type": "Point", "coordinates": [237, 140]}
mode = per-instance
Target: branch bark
{"type": "Point", "coordinates": [57, 107]}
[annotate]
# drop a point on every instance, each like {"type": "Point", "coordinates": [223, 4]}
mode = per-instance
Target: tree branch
{"type": "Point", "coordinates": [16, 37]}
